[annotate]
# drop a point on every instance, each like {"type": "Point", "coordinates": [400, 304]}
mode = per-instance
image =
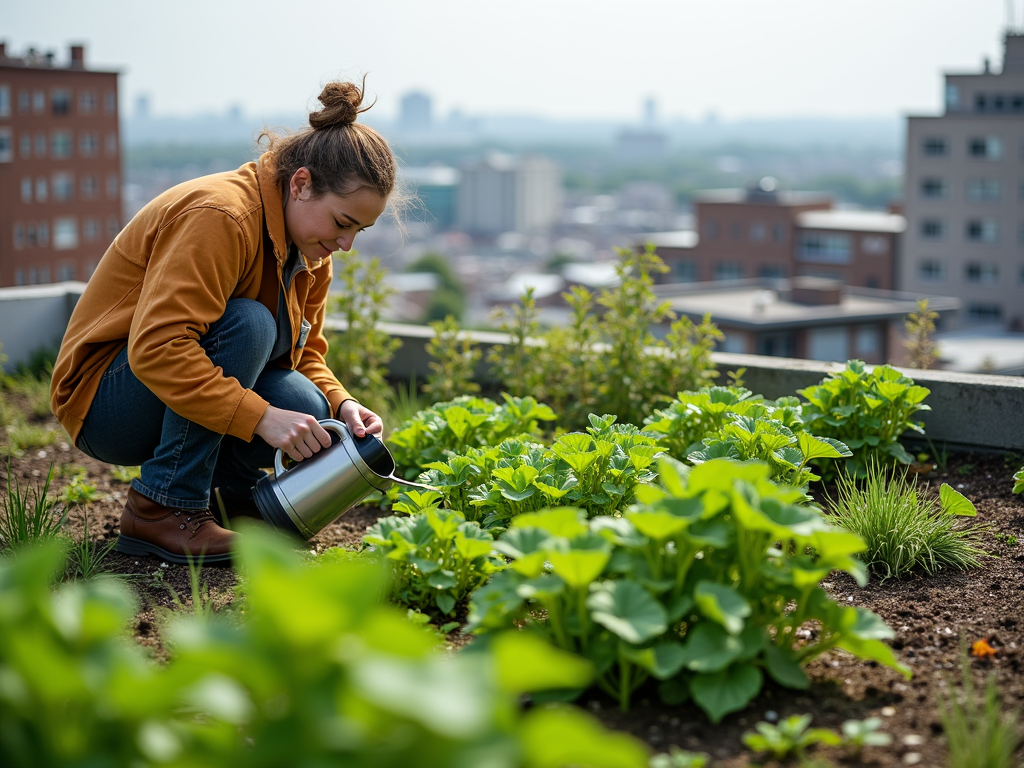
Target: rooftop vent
{"type": "Point", "coordinates": [816, 291]}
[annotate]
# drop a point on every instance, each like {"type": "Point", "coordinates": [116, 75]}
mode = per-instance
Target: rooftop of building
{"type": "Point", "coordinates": [35, 59]}
{"type": "Point", "coordinates": [856, 221]}
{"type": "Point", "coordinates": [989, 350]}
{"type": "Point", "coordinates": [800, 301]}
{"type": "Point", "coordinates": [683, 238]}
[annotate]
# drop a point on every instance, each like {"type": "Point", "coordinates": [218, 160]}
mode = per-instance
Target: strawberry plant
{"type": "Point", "coordinates": [702, 585]}
{"type": "Point", "coordinates": [455, 426]}
{"type": "Point", "coordinates": [436, 558]}
{"type": "Point", "coordinates": [866, 410]}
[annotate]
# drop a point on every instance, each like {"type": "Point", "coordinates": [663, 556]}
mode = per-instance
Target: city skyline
{"type": "Point", "coordinates": [562, 59]}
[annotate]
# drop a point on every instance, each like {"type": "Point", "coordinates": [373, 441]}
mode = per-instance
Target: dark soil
{"type": "Point", "coordinates": [933, 617]}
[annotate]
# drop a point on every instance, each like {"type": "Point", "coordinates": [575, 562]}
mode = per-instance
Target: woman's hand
{"type": "Point", "coordinates": [360, 419]}
{"type": "Point", "coordinates": [298, 435]}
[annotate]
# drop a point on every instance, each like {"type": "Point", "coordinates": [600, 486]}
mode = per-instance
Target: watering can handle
{"type": "Point", "coordinates": [331, 425]}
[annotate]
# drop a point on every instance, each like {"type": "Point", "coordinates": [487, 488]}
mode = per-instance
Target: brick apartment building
{"type": "Point", "coordinates": [765, 233]}
{"type": "Point", "coordinates": [60, 167]}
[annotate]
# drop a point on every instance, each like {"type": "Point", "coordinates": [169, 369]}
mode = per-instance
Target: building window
{"type": "Point", "coordinates": [985, 313]}
{"type": "Point", "coordinates": [24, 101]}
{"type": "Point", "coordinates": [90, 187]}
{"type": "Point", "coordinates": [38, 102]}
{"type": "Point", "coordinates": [982, 273]}
{"type": "Point", "coordinates": [44, 275]}
{"type": "Point", "coordinates": [26, 145]}
{"type": "Point", "coordinates": [5, 101]}
{"type": "Point", "coordinates": [983, 190]}
{"type": "Point", "coordinates": [60, 101]}
{"type": "Point", "coordinates": [830, 344]}
{"type": "Point", "coordinates": [87, 102]}
{"type": "Point", "coordinates": [63, 185]}
{"type": "Point", "coordinates": [982, 231]}
{"type": "Point", "coordinates": [933, 189]}
{"type": "Point", "coordinates": [26, 189]}
{"type": "Point", "coordinates": [88, 144]}
{"type": "Point", "coordinates": [65, 272]}
{"type": "Point", "coordinates": [985, 147]}
{"type": "Point", "coordinates": [60, 144]}
{"type": "Point", "coordinates": [111, 144]}
{"type": "Point", "coordinates": [113, 227]}
{"type": "Point", "coordinates": [874, 245]}
{"type": "Point", "coordinates": [867, 341]}
{"type": "Point", "coordinates": [112, 186]}
{"type": "Point", "coordinates": [41, 190]}
{"type": "Point", "coordinates": [19, 277]}
{"type": "Point", "coordinates": [952, 97]}
{"type": "Point", "coordinates": [771, 272]}
{"type": "Point", "coordinates": [43, 234]}
{"type": "Point", "coordinates": [933, 229]}
{"type": "Point", "coordinates": [31, 241]}
{"type": "Point", "coordinates": [91, 230]}
{"type": "Point", "coordinates": [19, 236]}
{"type": "Point", "coordinates": [931, 271]}
{"type": "Point", "coordinates": [6, 145]}
{"type": "Point", "coordinates": [65, 233]}
{"type": "Point", "coordinates": [40, 145]}
{"type": "Point", "coordinates": [684, 271]}
{"type": "Point", "coordinates": [935, 146]}
{"type": "Point", "coordinates": [757, 231]}
{"type": "Point", "coordinates": [824, 249]}
{"type": "Point", "coordinates": [728, 271]}
{"type": "Point", "coordinates": [110, 102]}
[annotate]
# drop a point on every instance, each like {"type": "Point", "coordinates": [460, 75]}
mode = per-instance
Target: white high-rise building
{"type": "Point", "coordinates": [965, 196]}
{"type": "Point", "coordinates": [501, 193]}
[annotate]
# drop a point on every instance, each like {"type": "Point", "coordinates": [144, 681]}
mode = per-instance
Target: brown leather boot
{"type": "Point", "coordinates": [229, 506]}
{"type": "Point", "coordinates": [148, 528]}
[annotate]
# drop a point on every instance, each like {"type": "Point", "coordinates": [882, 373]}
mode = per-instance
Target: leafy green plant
{"type": "Point", "coordinates": [87, 559]}
{"type": "Point", "coordinates": [78, 492]}
{"type": "Point", "coordinates": [979, 732]}
{"type": "Point", "coordinates": [453, 427]}
{"type": "Point", "coordinates": [513, 363]}
{"type": "Point", "coordinates": [453, 361]}
{"type": "Point", "coordinates": [30, 515]}
{"type": "Point", "coordinates": [866, 410]}
{"type": "Point", "coordinates": [359, 355]}
{"type": "Point", "coordinates": [790, 738]}
{"type": "Point", "coordinates": [1018, 481]}
{"type": "Point", "coordinates": [701, 585]}
{"type": "Point", "coordinates": [868, 732]}
{"type": "Point", "coordinates": [904, 528]}
{"type": "Point", "coordinates": [22, 435]}
{"type": "Point", "coordinates": [124, 474]}
{"type": "Point", "coordinates": [920, 325]}
{"type": "Point", "coordinates": [678, 758]}
{"type": "Point", "coordinates": [436, 558]}
{"type": "Point", "coordinates": [314, 672]}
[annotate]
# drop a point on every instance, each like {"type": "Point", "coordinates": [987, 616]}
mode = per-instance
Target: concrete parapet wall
{"type": "Point", "coordinates": [35, 317]}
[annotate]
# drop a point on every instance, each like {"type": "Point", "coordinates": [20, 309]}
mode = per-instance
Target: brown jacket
{"type": "Point", "coordinates": [167, 277]}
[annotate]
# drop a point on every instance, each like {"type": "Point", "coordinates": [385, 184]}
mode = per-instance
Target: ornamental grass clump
{"type": "Point", "coordinates": [904, 527]}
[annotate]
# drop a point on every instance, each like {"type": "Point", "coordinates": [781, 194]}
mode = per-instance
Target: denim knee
{"type": "Point", "coordinates": [242, 340]}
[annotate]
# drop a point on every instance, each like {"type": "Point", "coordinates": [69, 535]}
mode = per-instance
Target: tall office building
{"type": "Point", "coordinates": [502, 193]}
{"type": "Point", "coordinates": [416, 112]}
{"type": "Point", "coordinates": [60, 167]}
{"type": "Point", "coordinates": [965, 196]}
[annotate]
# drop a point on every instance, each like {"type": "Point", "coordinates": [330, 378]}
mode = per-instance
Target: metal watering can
{"type": "Point", "coordinates": [313, 493]}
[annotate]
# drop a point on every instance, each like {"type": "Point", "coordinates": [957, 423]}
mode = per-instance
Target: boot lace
{"type": "Point", "coordinates": [197, 519]}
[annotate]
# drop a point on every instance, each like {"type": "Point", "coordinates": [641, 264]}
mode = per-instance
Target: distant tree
{"type": "Point", "coordinates": [559, 260]}
{"type": "Point", "coordinates": [920, 325]}
{"type": "Point", "coordinates": [437, 264]}
{"type": "Point", "coordinates": [450, 296]}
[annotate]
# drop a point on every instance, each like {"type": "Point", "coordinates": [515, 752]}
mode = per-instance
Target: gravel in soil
{"type": "Point", "coordinates": [934, 618]}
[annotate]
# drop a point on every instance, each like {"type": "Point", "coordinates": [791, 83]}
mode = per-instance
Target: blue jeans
{"type": "Point", "coordinates": [181, 461]}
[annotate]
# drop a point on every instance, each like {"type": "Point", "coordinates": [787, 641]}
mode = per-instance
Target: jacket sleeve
{"type": "Point", "coordinates": [194, 266]}
{"type": "Point", "coordinates": [312, 361]}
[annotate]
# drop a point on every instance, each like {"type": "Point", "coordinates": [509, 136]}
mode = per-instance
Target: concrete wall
{"type": "Point", "coordinates": [970, 411]}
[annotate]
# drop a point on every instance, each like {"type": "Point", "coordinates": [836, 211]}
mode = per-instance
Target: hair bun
{"type": "Point", "coordinates": [341, 102]}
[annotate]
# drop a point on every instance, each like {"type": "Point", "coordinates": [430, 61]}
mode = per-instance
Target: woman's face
{"type": "Point", "coordinates": [319, 226]}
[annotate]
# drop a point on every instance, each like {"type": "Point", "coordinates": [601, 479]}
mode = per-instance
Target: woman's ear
{"type": "Point", "coordinates": [300, 187]}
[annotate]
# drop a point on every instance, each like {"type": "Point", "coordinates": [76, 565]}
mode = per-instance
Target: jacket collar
{"type": "Point", "coordinates": [273, 206]}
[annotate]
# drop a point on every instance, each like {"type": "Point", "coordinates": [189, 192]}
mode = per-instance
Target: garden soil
{"type": "Point", "coordinates": [935, 618]}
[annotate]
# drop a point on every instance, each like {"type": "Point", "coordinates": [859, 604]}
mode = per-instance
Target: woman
{"type": "Point", "coordinates": [197, 348]}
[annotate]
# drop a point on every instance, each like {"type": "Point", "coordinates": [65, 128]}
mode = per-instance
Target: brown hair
{"type": "Point", "coordinates": [341, 155]}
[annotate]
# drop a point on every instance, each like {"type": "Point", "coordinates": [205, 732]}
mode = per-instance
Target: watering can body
{"type": "Point", "coordinates": [313, 493]}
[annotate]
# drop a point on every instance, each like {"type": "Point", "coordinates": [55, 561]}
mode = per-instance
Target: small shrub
{"type": "Point", "coordinates": [30, 515]}
{"type": "Point", "coordinates": [920, 325]}
{"type": "Point", "coordinates": [22, 436]}
{"type": "Point", "coordinates": [979, 734]}
{"type": "Point", "coordinates": [124, 474]}
{"type": "Point", "coordinates": [866, 410]}
{"type": "Point", "coordinates": [453, 364]}
{"type": "Point", "coordinates": [904, 528]}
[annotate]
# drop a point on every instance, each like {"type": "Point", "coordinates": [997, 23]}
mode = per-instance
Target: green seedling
{"type": "Point", "coordinates": [125, 474]}
{"type": "Point", "coordinates": [790, 738]}
{"type": "Point", "coordinates": [858, 734]}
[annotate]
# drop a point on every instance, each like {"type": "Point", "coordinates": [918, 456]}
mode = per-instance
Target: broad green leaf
{"type": "Point", "coordinates": [557, 736]}
{"type": "Point", "coordinates": [729, 690]}
{"type": "Point", "coordinates": [874, 650]}
{"type": "Point", "coordinates": [710, 648]}
{"type": "Point", "coordinates": [722, 604]}
{"type": "Point", "coordinates": [656, 525]}
{"type": "Point", "coordinates": [784, 669]}
{"type": "Point", "coordinates": [814, 447]}
{"type": "Point", "coordinates": [567, 522]}
{"type": "Point", "coordinates": [662, 660]}
{"type": "Point", "coordinates": [627, 610]}
{"type": "Point", "coordinates": [445, 603]}
{"type": "Point", "coordinates": [952, 502]}
{"type": "Point", "coordinates": [578, 568]}
{"type": "Point", "coordinates": [525, 662]}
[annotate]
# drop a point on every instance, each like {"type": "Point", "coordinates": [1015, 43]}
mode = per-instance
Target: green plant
{"type": "Point", "coordinates": [34, 388]}
{"type": "Point", "coordinates": [21, 436]}
{"type": "Point", "coordinates": [454, 427]}
{"type": "Point", "coordinates": [979, 733]}
{"type": "Point", "coordinates": [904, 528]}
{"type": "Point", "coordinates": [1018, 481]}
{"type": "Point", "coordinates": [790, 738]}
{"type": "Point", "coordinates": [30, 515]}
{"type": "Point", "coordinates": [920, 325]}
{"type": "Point", "coordinates": [359, 355]}
{"type": "Point", "coordinates": [314, 672]}
{"type": "Point", "coordinates": [866, 410]}
{"type": "Point", "coordinates": [678, 758]}
{"type": "Point", "coordinates": [702, 585]}
{"type": "Point", "coordinates": [454, 361]}
{"type": "Point", "coordinates": [124, 474]}
{"type": "Point", "coordinates": [436, 558]}
{"type": "Point", "coordinates": [858, 734]}
{"type": "Point", "coordinates": [78, 492]}
{"type": "Point", "coordinates": [512, 363]}
{"type": "Point", "coordinates": [86, 559]}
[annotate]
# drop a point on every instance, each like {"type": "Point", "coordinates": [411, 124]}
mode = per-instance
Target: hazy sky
{"type": "Point", "coordinates": [565, 59]}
